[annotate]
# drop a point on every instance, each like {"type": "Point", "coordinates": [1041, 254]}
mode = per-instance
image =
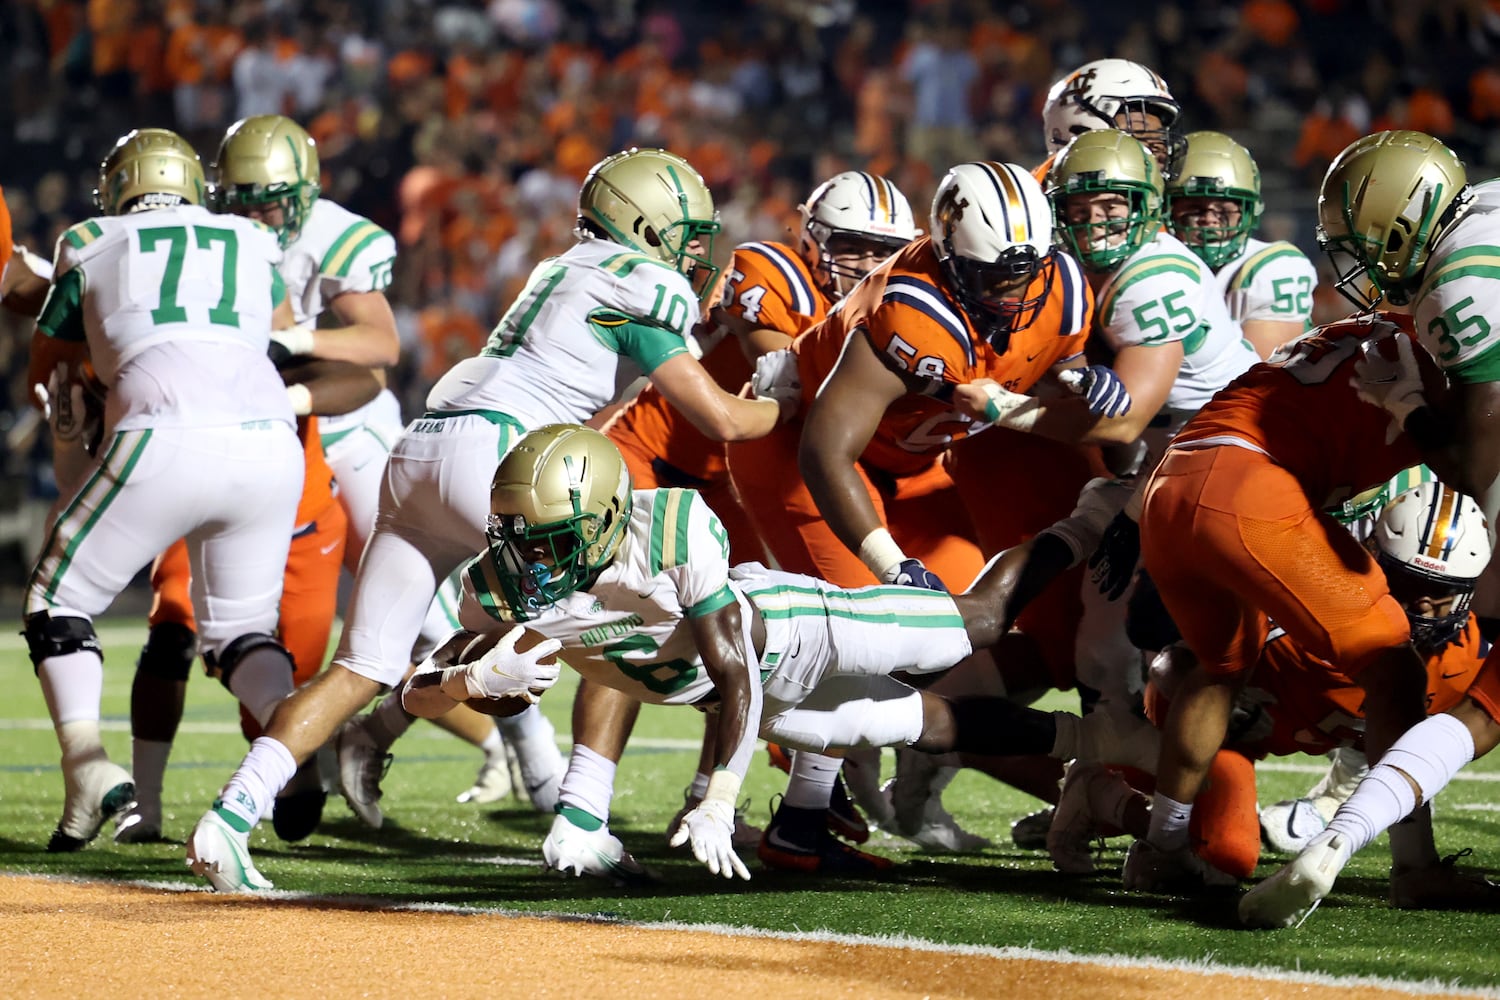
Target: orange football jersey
{"type": "Point", "coordinates": [905, 309]}
{"type": "Point", "coordinates": [6, 245]}
{"type": "Point", "coordinates": [767, 285]}
{"type": "Point", "coordinates": [1314, 708]}
{"type": "Point", "coordinates": [317, 477]}
{"type": "Point", "coordinates": [1301, 410]}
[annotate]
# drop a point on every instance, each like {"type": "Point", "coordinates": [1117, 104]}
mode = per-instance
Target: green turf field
{"type": "Point", "coordinates": [435, 850]}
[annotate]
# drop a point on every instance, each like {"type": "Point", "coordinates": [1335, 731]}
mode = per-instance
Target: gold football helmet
{"type": "Point", "coordinates": [149, 168]}
{"type": "Point", "coordinates": [1384, 202]}
{"type": "Point", "coordinates": [268, 160]}
{"type": "Point", "coordinates": [1107, 161]}
{"type": "Point", "coordinates": [655, 203]}
{"type": "Point", "coordinates": [559, 505]}
{"type": "Point", "coordinates": [1218, 168]}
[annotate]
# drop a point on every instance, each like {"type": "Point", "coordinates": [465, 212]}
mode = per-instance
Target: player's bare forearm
{"type": "Point", "coordinates": [336, 386]}
{"type": "Point", "coordinates": [367, 335]}
{"type": "Point", "coordinates": [721, 642]}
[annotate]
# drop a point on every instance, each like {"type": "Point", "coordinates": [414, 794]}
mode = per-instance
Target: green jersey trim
{"type": "Point", "coordinates": [1481, 261]}
{"type": "Point", "coordinates": [919, 609]}
{"type": "Point", "coordinates": [486, 585]}
{"type": "Point", "coordinates": [62, 313]}
{"type": "Point", "coordinates": [1259, 259]}
{"type": "Point", "coordinates": [721, 598]}
{"type": "Point", "coordinates": [278, 288]}
{"type": "Point", "coordinates": [1482, 367]}
{"type": "Point", "coordinates": [642, 341]}
{"type": "Point", "coordinates": [1133, 273]}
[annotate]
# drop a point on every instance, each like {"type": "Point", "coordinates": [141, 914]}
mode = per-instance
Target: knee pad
{"type": "Point", "coordinates": [1147, 623]}
{"type": "Point", "coordinates": [223, 663]}
{"type": "Point", "coordinates": [169, 652]}
{"type": "Point", "coordinates": [57, 636]}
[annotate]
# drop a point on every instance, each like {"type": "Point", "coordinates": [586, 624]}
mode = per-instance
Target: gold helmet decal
{"type": "Point", "coordinates": [149, 168]}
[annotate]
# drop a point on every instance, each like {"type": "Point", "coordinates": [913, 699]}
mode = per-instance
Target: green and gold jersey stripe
{"type": "Point", "coordinates": [670, 512]}
{"type": "Point", "coordinates": [83, 234]}
{"type": "Point", "coordinates": [341, 255]}
{"type": "Point", "coordinates": [621, 265]}
{"type": "Point", "coordinates": [908, 606]}
{"type": "Point", "coordinates": [1259, 259]}
{"type": "Point", "coordinates": [1479, 261]}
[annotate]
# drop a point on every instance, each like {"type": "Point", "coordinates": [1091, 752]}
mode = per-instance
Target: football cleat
{"type": "Point", "coordinates": [1072, 829]}
{"type": "Point", "coordinates": [1179, 872]}
{"type": "Point", "coordinates": [935, 828]}
{"type": "Point", "coordinates": [844, 819]}
{"type": "Point", "coordinates": [1443, 887]}
{"type": "Point", "coordinates": [220, 853]}
{"type": "Point", "coordinates": [299, 808]}
{"type": "Point", "coordinates": [97, 791]}
{"type": "Point", "coordinates": [572, 850]}
{"type": "Point", "coordinates": [745, 836]}
{"type": "Point", "coordinates": [797, 841]}
{"type": "Point", "coordinates": [493, 782]}
{"type": "Point", "coordinates": [1290, 825]}
{"type": "Point", "coordinates": [140, 824]}
{"type": "Point", "coordinates": [1290, 895]}
{"type": "Point", "coordinates": [1029, 833]}
{"type": "Point", "coordinates": [361, 766]}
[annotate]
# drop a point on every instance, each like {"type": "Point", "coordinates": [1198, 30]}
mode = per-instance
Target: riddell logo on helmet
{"type": "Point", "coordinates": [1432, 564]}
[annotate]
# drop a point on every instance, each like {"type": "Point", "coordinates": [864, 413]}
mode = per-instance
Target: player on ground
{"type": "Point", "coordinates": [174, 309]}
{"type": "Point", "coordinates": [774, 291]}
{"type": "Point", "coordinates": [638, 588]}
{"type": "Point", "coordinates": [1213, 205]}
{"type": "Point", "coordinates": [617, 303]}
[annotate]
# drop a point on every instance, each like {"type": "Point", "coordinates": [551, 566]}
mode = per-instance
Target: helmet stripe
{"type": "Point", "coordinates": [988, 169]}
{"type": "Point", "coordinates": [1018, 231]}
{"type": "Point", "coordinates": [887, 202]}
{"type": "Point", "coordinates": [1441, 520]}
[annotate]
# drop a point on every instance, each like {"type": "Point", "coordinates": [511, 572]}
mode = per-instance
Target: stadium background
{"type": "Point", "coordinates": [464, 126]}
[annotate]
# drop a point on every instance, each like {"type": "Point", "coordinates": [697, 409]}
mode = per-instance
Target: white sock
{"type": "Point", "coordinates": [590, 782]}
{"type": "Point", "coordinates": [265, 771]}
{"type": "Point", "coordinates": [534, 742]}
{"type": "Point", "coordinates": [811, 783]}
{"type": "Point", "coordinates": [389, 721]}
{"type": "Point", "coordinates": [262, 678]}
{"type": "Point", "coordinates": [1431, 753]}
{"type": "Point", "coordinates": [148, 765]}
{"type": "Point", "coordinates": [72, 684]}
{"type": "Point", "coordinates": [1169, 823]}
{"type": "Point", "coordinates": [493, 747]}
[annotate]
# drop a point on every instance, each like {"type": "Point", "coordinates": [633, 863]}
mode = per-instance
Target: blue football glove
{"type": "Point", "coordinates": [1113, 564]}
{"type": "Point", "coordinates": [1101, 387]}
{"type": "Point", "coordinates": [911, 573]}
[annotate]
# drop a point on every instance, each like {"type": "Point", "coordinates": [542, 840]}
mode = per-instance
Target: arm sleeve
{"type": "Point", "coordinates": [62, 313]}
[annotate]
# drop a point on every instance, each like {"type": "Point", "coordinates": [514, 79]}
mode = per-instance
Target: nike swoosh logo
{"type": "Point", "coordinates": [1033, 357]}
{"type": "Point", "coordinates": [1456, 673]}
{"type": "Point", "coordinates": [329, 547]}
{"type": "Point", "coordinates": [774, 838]}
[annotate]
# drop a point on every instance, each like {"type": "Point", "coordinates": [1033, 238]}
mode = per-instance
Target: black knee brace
{"type": "Point", "coordinates": [998, 726]}
{"type": "Point", "coordinates": [224, 663]}
{"type": "Point", "coordinates": [48, 636]}
{"type": "Point", "coordinates": [169, 652]}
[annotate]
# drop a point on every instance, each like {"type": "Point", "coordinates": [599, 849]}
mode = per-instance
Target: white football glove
{"type": "Point", "coordinates": [502, 672]}
{"type": "Point", "coordinates": [1394, 386]}
{"type": "Point", "coordinates": [710, 829]}
{"type": "Point", "coordinates": [776, 378]}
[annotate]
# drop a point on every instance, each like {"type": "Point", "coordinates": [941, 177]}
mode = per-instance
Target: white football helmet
{"type": "Point", "coordinates": [860, 208]}
{"type": "Point", "coordinates": [1433, 542]}
{"type": "Point", "coordinates": [1096, 93]}
{"type": "Point", "coordinates": [992, 232]}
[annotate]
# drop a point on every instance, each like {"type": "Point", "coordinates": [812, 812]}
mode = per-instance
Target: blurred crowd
{"type": "Point", "coordinates": [465, 126]}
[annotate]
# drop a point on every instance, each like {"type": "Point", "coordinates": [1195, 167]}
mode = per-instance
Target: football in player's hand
{"type": "Point", "coordinates": [483, 643]}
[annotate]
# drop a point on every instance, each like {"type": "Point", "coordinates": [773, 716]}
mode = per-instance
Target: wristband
{"type": "Point", "coordinates": [1011, 409]}
{"type": "Point", "coordinates": [297, 339]}
{"type": "Point", "coordinates": [301, 399]}
{"type": "Point", "coordinates": [880, 552]}
{"type": "Point", "coordinates": [723, 786]}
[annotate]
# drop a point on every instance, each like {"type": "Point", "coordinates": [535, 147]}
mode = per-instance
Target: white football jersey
{"type": "Point", "coordinates": [338, 251]}
{"type": "Point", "coordinates": [176, 306]}
{"type": "Point", "coordinates": [630, 629]}
{"type": "Point", "coordinates": [588, 323]}
{"type": "Point", "coordinates": [1269, 281]}
{"type": "Point", "coordinates": [1457, 305]}
{"type": "Point", "coordinates": [1165, 293]}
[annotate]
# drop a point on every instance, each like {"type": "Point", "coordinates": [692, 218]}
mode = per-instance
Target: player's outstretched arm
{"type": "Point", "coordinates": [692, 391]}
